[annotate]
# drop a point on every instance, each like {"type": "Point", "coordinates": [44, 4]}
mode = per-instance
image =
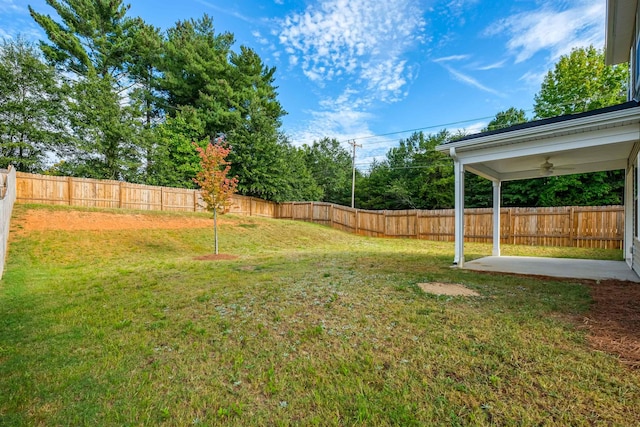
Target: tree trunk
{"type": "Point", "coordinates": [215, 229]}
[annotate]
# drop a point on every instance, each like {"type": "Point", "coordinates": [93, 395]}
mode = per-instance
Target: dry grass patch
{"type": "Point", "coordinates": [451, 289]}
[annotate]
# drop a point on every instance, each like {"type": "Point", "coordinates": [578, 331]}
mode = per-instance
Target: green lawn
{"type": "Point", "coordinates": [308, 326]}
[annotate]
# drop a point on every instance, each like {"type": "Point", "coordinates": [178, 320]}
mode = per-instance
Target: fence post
{"type": "Point", "coordinates": [331, 215]}
{"type": "Point", "coordinates": [70, 189]}
{"type": "Point", "coordinates": [357, 221]}
{"type": "Point", "coordinates": [120, 195]}
{"type": "Point", "coordinates": [512, 226]}
{"type": "Point", "coordinates": [384, 228]}
{"type": "Point", "coordinates": [571, 225]}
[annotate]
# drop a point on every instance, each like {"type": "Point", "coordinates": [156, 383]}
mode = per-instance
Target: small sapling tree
{"type": "Point", "coordinates": [215, 187]}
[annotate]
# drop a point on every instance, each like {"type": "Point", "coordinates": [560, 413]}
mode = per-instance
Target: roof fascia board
{"type": "Point", "coordinates": [610, 34]}
{"type": "Point", "coordinates": [566, 142]}
{"type": "Point", "coordinates": [544, 131]}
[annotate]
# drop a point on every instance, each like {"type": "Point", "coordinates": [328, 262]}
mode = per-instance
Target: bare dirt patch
{"type": "Point", "coordinates": [447, 289]}
{"type": "Point", "coordinates": [215, 257]}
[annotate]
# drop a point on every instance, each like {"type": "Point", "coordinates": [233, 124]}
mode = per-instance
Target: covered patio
{"type": "Point", "coordinates": [599, 140]}
{"type": "Point", "coordinates": [556, 267]}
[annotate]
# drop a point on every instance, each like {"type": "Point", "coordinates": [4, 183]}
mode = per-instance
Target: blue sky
{"type": "Point", "coordinates": [361, 68]}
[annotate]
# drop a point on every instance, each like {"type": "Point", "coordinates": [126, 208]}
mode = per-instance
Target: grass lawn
{"type": "Point", "coordinates": [308, 326]}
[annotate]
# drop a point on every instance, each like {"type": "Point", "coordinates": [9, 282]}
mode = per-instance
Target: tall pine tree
{"type": "Point", "coordinates": [32, 116]}
{"type": "Point", "coordinates": [94, 42]}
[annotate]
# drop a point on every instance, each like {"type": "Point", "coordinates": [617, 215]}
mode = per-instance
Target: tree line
{"type": "Point", "coordinates": [109, 96]}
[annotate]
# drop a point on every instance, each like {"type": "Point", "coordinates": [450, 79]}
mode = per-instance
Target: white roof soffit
{"type": "Point", "coordinates": [571, 126]}
{"type": "Point", "coordinates": [621, 15]}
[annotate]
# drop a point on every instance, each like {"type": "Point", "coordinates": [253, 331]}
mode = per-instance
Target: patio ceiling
{"type": "Point", "coordinates": [600, 140]}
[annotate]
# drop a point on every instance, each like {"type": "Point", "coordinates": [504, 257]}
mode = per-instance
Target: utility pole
{"type": "Point", "coordinates": [353, 180]}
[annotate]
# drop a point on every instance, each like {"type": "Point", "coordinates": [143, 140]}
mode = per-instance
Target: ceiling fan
{"type": "Point", "coordinates": [547, 168]}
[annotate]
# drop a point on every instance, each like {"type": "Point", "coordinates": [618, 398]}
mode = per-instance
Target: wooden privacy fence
{"type": "Point", "coordinates": [57, 190]}
{"type": "Point", "coordinates": [593, 227]}
{"type": "Point", "coordinates": [7, 198]}
{"type": "Point", "coordinates": [587, 227]}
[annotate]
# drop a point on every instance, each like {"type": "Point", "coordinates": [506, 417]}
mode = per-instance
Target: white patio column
{"type": "Point", "coordinates": [627, 242]}
{"type": "Point", "coordinates": [458, 170]}
{"type": "Point", "coordinates": [496, 218]}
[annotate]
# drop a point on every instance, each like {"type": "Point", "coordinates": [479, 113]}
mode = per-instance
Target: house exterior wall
{"type": "Point", "coordinates": [634, 208]}
{"type": "Point", "coordinates": [634, 61]}
{"type": "Point", "coordinates": [636, 256]}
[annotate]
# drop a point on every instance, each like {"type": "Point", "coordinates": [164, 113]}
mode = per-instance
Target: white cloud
{"type": "Point", "coordinates": [28, 30]}
{"type": "Point", "coordinates": [452, 58]}
{"type": "Point", "coordinates": [458, 7]}
{"type": "Point", "coordinates": [10, 6]}
{"type": "Point", "coordinates": [361, 42]}
{"type": "Point", "coordinates": [15, 20]}
{"type": "Point", "coordinates": [553, 28]}
{"type": "Point", "coordinates": [533, 79]}
{"type": "Point", "coordinates": [227, 11]}
{"type": "Point", "coordinates": [473, 128]}
{"type": "Point", "coordinates": [470, 80]}
{"type": "Point", "coordinates": [258, 36]}
{"type": "Point", "coordinates": [493, 66]}
{"type": "Point", "coordinates": [342, 123]}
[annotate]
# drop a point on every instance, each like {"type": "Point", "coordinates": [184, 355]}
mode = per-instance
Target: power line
{"type": "Point", "coordinates": [353, 180]}
{"type": "Point", "coordinates": [410, 167]}
{"type": "Point", "coordinates": [445, 125]}
{"type": "Point", "coordinates": [442, 125]}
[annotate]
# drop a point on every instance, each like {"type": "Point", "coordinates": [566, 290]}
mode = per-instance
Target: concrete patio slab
{"type": "Point", "coordinates": [555, 267]}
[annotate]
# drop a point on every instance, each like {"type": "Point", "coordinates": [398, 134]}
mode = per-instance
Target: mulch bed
{"type": "Point", "coordinates": [613, 321]}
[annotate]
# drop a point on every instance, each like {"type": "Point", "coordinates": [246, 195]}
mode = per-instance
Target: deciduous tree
{"type": "Point", "coordinates": [478, 190]}
{"type": "Point", "coordinates": [580, 81]}
{"type": "Point", "coordinates": [216, 189]}
{"type": "Point", "coordinates": [330, 165]}
{"type": "Point", "coordinates": [413, 176]}
{"type": "Point", "coordinates": [172, 161]}
{"type": "Point", "coordinates": [509, 117]}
